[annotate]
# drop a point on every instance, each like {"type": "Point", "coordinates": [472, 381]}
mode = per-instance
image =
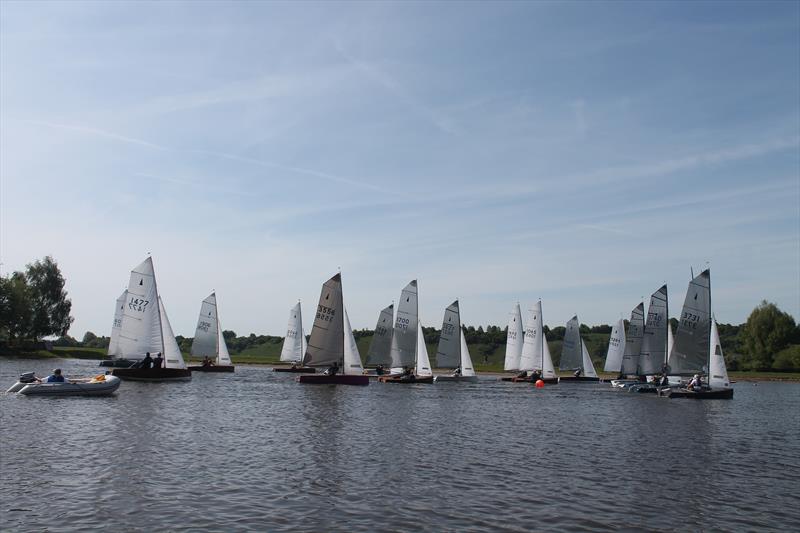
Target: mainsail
{"type": "Point", "coordinates": [571, 357]}
{"type": "Point", "coordinates": [294, 344]}
{"type": "Point", "coordinates": [119, 311]}
{"type": "Point", "coordinates": [140, 331]}
{"type": "Point", "coordinates": [205, 335]}
{"type": "Point", "coordinates": [514, 340]}
{"type": "Point", "coordinates": [404, 339]}
{"type": "Point", "coordinates": [380, 349]}
{"type": "Point", "coordinates": [423, 361]}
{"type": "Point", "coordinates": [326, 345]}
{"type": "Point", "coordinates": [692, 338]}
{"type": "Point", "coordinates": [653, 353]}
{"type": "Point", "coordinates": [633, 343]}
{"type": "Point", "coordinates": [448, 353]}
{"type": "Point", "coordinates": [616, 348]}
{"type": "Point", "coordinates": [172, 352]}
{"type": "Point", "coordinates": [718, 372]}
{"type": "Point", "coordinates": [531, 355]}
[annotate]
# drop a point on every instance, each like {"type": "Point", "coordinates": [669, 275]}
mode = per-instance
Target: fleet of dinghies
{"type": "Point", "coordinates": [646, 357]}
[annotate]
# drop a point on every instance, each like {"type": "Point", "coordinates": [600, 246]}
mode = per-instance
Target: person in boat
{"type": "Point", "coordinates": [457, 372]}
{"type": "Point", "coordinates": [158, 361]}
{"type": "Point", "coordinates": [578, 372]}
{"type": "Point", "coordinates": [206, 361]}
{"type": "Point", "coordinates": [294, 365]}
{"type": "Point", "coordinates": [55, 377]}
{"type": "Point", "coordinates": [147, 362]}
{"type": "Point", "coordinates": [523, 374]}
{"type": "Point", "coordinates": [379, 370]}
{"type": "Point", "coordinates": [696, 383]}
{"type": "Point", "coordinates": [536, 375]}
{"type": "Point", "coordinates": [333, 369]}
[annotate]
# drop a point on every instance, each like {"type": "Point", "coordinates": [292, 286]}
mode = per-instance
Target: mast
{"type": "Point", "coordinates": [160, 322]}
{"type": "Point", "coordinates": [302, 334]}
{"type": "Point", "coordinates": [541, 316]}
{"type": "Point", "coordinates": [710, 323]}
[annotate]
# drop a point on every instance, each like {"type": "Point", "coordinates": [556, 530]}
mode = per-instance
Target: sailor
{"type": "Point", "coordinates": [55, 377]}
{"type": "Point", "coordinates": [536, 375]}
{"type": "Point", "coordinates": [522, 374]}
{"type": "Point", "coordinates": [578, 373]}
{"type": "Point", "coordinates": [407, 371]}
{"type": "Point", "coordinates": [206, 361]}
{"type": "Point", "coordinates": [294, 365]}
{"type": "Point", "coordinates": [457, 372]}
{"type": "Point", "coordinates": [147, 362]}
{"type": "Point", "coordinates": [333, 370]}
{"type": "Point", "coordinates": [158, 361]}
{"type": "Point", "coordinates": [379, 370]}
{"type": "Point", "coordinates": [696, 383]}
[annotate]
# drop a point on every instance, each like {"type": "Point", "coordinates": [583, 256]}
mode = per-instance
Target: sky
{"type": "Point", "coordinates": [581, 153]}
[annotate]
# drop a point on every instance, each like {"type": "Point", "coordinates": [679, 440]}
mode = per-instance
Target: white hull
{"type": "Point", "coordinates": [82, 388]}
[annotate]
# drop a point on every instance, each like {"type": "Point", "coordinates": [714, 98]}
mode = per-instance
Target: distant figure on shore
{"type": "Point", "coordinates": [147, 362]}
{"type": "Point", "coordinates": [158, 361]}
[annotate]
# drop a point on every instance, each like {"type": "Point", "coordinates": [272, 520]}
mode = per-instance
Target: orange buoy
{"type": "Point", "coordinates": [539, 383]}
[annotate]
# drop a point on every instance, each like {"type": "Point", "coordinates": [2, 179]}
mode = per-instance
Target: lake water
{"type": "Point", "coordinates": [255, 450]}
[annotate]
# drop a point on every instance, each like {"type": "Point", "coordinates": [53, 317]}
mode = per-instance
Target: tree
{"type": "Point", "coordinates": [15, 309]}
{"type": "Point", "coordinates": [767, 331]}
{"type": "Point", "coordinates": [48, 300]}
{"type": "Point", "coordinates": [88, 337]}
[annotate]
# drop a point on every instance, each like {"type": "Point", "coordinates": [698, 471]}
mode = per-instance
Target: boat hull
{"type": "Point", "coordinates": [117, 363]}
{"type": "Point", "coordinates": [456, 379]}
{"type": "Point", "coordinates": [212, 368]}
{"type": "Point", "coordinates": [580, 379]}
{"type": "Point", "coordinates": [87, 388]}
{"type": "Point", "coordinates": [340, 379]}
{"type": "Point", "coordinates": [406, 379]}
{"type": "Point", "coordinates": [547, 381]}
{"type": "Point", "coordinates": [712, 394]}
{"type": "Point", "coordinates": [153, 374]}
{"type": "Point", "coordinates": [297, 370]}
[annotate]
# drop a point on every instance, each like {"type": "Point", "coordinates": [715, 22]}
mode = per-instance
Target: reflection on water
{"type": "Point", "coordinates": [256, 451]}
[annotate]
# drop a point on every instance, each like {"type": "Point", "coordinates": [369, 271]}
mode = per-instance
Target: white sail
{"type": "Point", "coordinates": [633, 342]}
{"type": "Point", "coordinates": [571, 357]}
{"type": "Point", "coordinates": [548, 370]}
{"type": "Point", "coordinates": [223, 357]}
{"type": "Point", "coordinates": [514, 340]}
{"type": "Point", "coordinates": [404, 338]}
{"type": "Point", "coordinates": [119, 311]}
{"type": "Point", "coordinates": [689, 354]}
{"type": "Point", "coordinates": [588, 366]}
{"type": "Point", "coordinates": [172, 352]}
{"type": "Point", "coordinates": [205, 334]}
{"type": "Point", "coordinates": [423, 361]}
{"type": "Point", "coordinates": [141, 322]}
{"type": "Point", "coordinates": [653, 354]}
{"type": "Point", "coordinates": [327, 336]}
{"type": "Point", "coordinates": [352, 359]}
{"type": "Point", "coordinates": [532, 346]}
{"type": "Point", "coordinates": [616, 348]}
{"type": "Point", "coordinates": [294, 343]}
{"type": "Point", "coordinates": [380, 349]}
{"type": "Point", "coordinates": [466, 360]}
{"type": "Point", "coordinates": [448, 353]}
{"type": "Point", "coordinates": [670, 339]}
{"type": "Point", "coordinates": [718, 372]}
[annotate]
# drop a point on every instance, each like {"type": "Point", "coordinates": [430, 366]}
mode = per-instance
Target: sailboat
{"type": "Point", "coordinates": [628, 374]}
{"type": "Point", "coordinates": [616, 348]}
{"type": "Point", "coordinates": [514, 340]}
{"type": "Point", "coordinates": [332, 343]}
{"type": "Point", "coordinates": [575, 356]}
{"type": "Point", "coordinates": [114, 358]}
{"type": "Point", "coordinates": [208, 339]}
{"type": "Point", "coordinates": [294, 344]}
{"type": "Point", "coordinates": [697, 348]}
{"type": "Point", "coordinates": [453, 351]}
{"type": "Point", "coordinates": [535, 360]}
{"type": "Point", "coordinates": [145, 329]}
{"type": "Point", "coordinates": [408, 353]}
{"type": "Point", "coordinates": [380, 349]}
{"type": "Point", "coordinates": [655, 340]}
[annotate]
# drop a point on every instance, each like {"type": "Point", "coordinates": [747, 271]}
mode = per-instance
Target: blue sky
{"type": "Point", "coordinates": [584, 153]}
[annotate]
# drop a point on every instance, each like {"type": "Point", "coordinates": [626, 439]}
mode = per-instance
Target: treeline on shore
{"type": "Point", "coordinates": [34, 306]}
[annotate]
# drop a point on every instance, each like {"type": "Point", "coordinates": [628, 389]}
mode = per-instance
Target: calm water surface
{"type": "Point", "coordinates": [257, 451]}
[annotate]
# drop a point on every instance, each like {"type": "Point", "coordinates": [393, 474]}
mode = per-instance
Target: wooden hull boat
{"type": "Point", "coordinates": [705, 394]}
{"type": "Point", "coordinates": [153, 374]}
{"type": "Point", "coordinates": [516, 379]}
{"type": "Point", "coordinates": [339, 379]}
{"type": "Point", "coordinates": [212, 368]}
{"type": "Point", "coordinates": [456, 379]}
{"type": "Point", "coordinates": [297, 370]}
{"type": "Point", "coordinates": [405, 379]}
{"type": "Point", "coordinates": [101, 385]}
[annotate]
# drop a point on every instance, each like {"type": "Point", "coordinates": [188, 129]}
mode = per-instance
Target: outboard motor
{"type": "Point", "coordinates": [27, 377]}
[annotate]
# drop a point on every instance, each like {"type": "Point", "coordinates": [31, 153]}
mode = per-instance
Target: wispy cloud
{"type": "Point", "coordinates": [97, 132]}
